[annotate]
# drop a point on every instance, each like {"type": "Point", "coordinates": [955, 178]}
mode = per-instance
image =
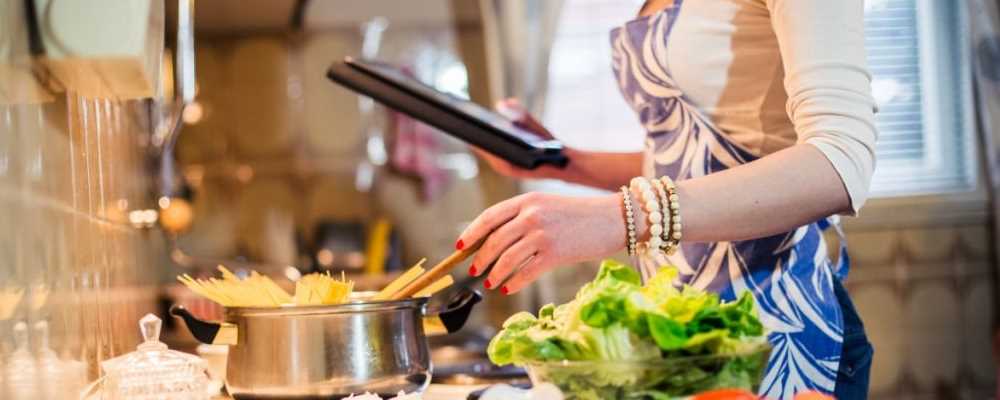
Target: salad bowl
{"type": "Point", "coordinates": [666, 378]}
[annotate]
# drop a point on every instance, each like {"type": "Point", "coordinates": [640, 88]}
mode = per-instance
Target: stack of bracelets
{"type": "Point", "coordinates": [659, 199]}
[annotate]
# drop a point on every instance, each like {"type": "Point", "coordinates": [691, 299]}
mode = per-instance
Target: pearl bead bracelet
{"type": "Point", "coordinates": [654, 213]}
{"type": "Point", "coordinates": [629, 220]}
{"type": "Point", "coordinates": [666, 218]}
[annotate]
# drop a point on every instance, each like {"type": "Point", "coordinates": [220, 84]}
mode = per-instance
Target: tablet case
{"type": "Point", "coordinates": [460, 118]}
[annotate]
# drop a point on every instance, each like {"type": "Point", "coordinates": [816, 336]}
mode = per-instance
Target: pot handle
{"type": "Point", "coordinates": [206, 332]}
{"type": "Point", "coordinates": [454, 315]}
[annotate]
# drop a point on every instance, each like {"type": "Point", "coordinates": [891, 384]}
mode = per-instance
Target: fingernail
{"type": "Point", "coordinates": [487, 284]}
{"type": "Point", "coordinates": [504, 290]}
{"type": "Point", "coordinates": [459, 245]}
{"type": "Point", "coordinates": [472, 270]}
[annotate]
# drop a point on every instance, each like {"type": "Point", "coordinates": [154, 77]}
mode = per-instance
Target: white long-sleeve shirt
{"type": "Point", "coordinates": [773, 73]}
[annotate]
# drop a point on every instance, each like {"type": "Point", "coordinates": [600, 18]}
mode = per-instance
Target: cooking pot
{"type": "Point", "coordinates": [312, 352]}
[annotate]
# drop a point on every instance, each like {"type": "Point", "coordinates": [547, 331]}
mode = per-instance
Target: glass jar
{"type": "Point", "coordinates": [155, 372]}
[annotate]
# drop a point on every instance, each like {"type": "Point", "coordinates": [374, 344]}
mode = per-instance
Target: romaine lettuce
{"type": "Point", "coordinates": [616, 318]}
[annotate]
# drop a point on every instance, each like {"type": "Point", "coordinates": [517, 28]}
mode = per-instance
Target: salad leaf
{"type": "Point", "coordinates": [666, 332]}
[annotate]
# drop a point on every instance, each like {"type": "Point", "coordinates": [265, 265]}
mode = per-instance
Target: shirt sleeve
{"type": "Point", "coordinates": [822, 44]}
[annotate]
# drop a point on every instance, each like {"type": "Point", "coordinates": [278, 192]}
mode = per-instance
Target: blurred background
{"type": "Point", "coordinates": [109, 189]}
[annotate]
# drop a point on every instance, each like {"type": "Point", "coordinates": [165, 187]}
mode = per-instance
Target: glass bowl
{"type": "Point", "coordinates": [666, 378]}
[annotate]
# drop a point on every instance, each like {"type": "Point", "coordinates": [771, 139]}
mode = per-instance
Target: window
{"type": "Point", "coordinates": [917, 55]}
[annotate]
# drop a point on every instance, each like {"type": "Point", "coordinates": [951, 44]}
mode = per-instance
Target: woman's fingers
{"type": "Point", "coordinates": [511, 109]}
{"type": "Point", "coordinates": [500, 240]}
{"type": "Point", "coordinates": [532, 269]}
{"type": "Point", "coordinates": [488, 221]}
{"type": "Point", "coordinates": [530, 123]}
{"type": "Point", "coordinates": [514, 111]}
{"type": "Point", "coordinates": [510, 262]}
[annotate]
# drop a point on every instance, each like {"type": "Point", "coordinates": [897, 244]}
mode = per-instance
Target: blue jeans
{"type": "Point", "coordinates": [856, 357]}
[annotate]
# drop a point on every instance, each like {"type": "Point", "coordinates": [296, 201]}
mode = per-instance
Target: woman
{"type": "Point", "coordinates": [761, 111]}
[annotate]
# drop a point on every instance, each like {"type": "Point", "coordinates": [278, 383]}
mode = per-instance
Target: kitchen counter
{"type": "Point", "coordinates": [434, 392]}
{"type": "Point", "coordinates": [450, 392]}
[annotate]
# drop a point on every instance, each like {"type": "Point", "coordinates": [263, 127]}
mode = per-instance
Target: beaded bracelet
{"type": "Point", "coordinates": [675, 211]}
{"type": "Point", "coordinates": [629, 219]}
{"type": "Point", "coordinates": [654, 215]}
{"type": "Point", "coordinates": [664, 197]}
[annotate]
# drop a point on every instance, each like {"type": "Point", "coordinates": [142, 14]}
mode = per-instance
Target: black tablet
{"type": "Point", "coordinates": [458, 117]}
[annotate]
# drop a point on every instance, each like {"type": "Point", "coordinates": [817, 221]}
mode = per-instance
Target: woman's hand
{"type": "Point", "coordinates": [589, 168]}
{"type": "Point", "coordinates": [533, 233]}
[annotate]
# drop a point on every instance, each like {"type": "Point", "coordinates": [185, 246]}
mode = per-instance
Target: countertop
{"type": "Point", "coordinates": [450, 392]}
{"type": "Point", "coordinates": [435, 392]}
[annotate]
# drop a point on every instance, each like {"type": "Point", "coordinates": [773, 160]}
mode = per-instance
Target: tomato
{"type": "Point", "coordinates": [726, 394]}
{"type": "Point", "coordinates": [811, 395]}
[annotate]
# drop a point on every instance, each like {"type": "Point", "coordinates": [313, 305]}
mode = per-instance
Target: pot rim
{"type": "Point", "coordinates": [359, 304]}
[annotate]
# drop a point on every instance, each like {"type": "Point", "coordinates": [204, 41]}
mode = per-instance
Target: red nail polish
{"type": "Point", "coordinates": [459, 245]}
{"type": "Point", "coordinates": [504, 290]}
{"type": "Point", "coordinates": [472, 270]}
{"type": "Point", "coordinates": [487, 284]}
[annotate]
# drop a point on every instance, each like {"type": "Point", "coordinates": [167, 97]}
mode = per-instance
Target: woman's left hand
{"type": "Point", "coordinates": [535, 232]}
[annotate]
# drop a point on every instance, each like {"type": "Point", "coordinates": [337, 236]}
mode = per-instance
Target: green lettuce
{"type": "Point", "coordinates": [617, 318]}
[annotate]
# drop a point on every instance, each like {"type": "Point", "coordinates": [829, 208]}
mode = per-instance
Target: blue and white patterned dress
{"type": "Point", "coordinates": [790, 275]}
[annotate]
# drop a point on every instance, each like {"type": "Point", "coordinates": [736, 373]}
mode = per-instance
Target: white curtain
{"type": "Point", "coordinates": [519, 36]}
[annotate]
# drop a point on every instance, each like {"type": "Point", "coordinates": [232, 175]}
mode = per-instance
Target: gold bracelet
{"type": "Point", "coordinates": [675, 213]}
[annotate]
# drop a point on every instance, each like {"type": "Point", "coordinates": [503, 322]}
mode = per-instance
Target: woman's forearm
{"type": "Point", "coordinates": [774, 194]}
{"type": "Point", "coordinates": [607, 171]}
{"type": "Point", "coordinates": [532, 233]}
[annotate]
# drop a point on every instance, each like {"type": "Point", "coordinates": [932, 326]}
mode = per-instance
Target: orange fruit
{"type": "Point", "coordinates": [726, 394]}
{"type": "Point", "coordinates": [811, 395]}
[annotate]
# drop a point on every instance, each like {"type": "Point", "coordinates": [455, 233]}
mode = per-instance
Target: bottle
{"type": "Point", "coordinates": [20, 373]}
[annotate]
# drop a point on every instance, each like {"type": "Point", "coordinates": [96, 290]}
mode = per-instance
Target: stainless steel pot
{"type": "Point", "coordinates": [326, 352]}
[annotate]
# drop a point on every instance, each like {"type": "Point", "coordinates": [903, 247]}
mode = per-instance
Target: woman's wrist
{"type": "Point", "coordinates": [619, 231]}
{"type": "Point", "coordinates": [599, 170]}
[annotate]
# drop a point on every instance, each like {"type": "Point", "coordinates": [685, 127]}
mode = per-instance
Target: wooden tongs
{"type": "Point", "coordinates": [433, 277]}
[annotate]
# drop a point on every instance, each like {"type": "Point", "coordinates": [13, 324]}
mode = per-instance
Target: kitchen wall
{"type": "Point", "coordinates": [75, 275]}
{"type": "Point", "coordinates": [70, 171]}
{"type": "Point", "coordinates": [923, 278]}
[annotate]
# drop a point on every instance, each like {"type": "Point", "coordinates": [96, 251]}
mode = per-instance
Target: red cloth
{"type": "Point", "coordinates": [416, 149]}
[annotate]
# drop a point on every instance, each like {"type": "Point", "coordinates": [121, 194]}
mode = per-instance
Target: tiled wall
{"type": "Point", "coordinates": [70, 170]}
{"type": "Point", "coordinates": [927, 297]}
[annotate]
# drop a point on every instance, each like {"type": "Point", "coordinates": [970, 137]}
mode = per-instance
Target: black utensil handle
{"type": "Point", "coordinates": [456, 313]}
{"type": "Point", "coordinates": [205, 332]}
{"type": "Point", "coordinates": [479, 393]}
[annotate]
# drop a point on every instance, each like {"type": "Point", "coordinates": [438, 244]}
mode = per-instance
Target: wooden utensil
{"type": "Point", "coordinates": [437, 286]}
{"type": "Point", "coordinates": [399, 283]}
{"type": "Point", "coordinates": [437, 272]}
